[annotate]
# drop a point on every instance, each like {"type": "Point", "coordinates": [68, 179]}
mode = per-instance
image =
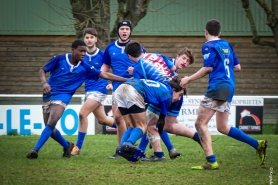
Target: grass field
{"type": "Point", "coordinates": [238, 163]}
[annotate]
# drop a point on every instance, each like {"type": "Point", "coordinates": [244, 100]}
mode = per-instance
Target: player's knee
{"type": "Point", "coordinates": [168, 127]}
{"type": "Point", "coordinates": [119, 121]}
{"type": "Point", "coordinates": [197, 125]}
{"type": "Point", "coordinates": [223, 129]}
{"type": "Point", "coordinates": [101, 121]}
{"type": "Point", "coordinates": [152, 138]}
{"type": "Point", "coordinates": [82, 115]}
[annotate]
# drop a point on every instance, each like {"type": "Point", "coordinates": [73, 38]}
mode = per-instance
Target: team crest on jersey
{"type": "Point", "coordinates": [225, 51]}
{"type": "Point", "coordinates": [206, 56]}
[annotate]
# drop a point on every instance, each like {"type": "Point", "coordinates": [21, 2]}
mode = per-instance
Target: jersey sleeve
{"type": "Point", "coordinates": [50, 65]}
{"type": "Point", "coordinates": [106, 59]}
{"type": "Point", "coordinates": [139, 70]}
{"type": "Point", "coordinates": [165, 104]}
{"type": "Point", "coordinates": [92, 73]}
{"type": "Point", "coordinates": [168, 61]}
{"type": "Point", "coordinates": [143, 49]}
{"type": "Point", "coordinates": [209, 56]}
{"type": "Point", "coordinates": [236, 62]}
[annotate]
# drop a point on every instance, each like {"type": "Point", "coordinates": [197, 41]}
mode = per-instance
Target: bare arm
{"type": "Point", "coordinates": [237, 68]}
{"type": "Point", "coordinates": [199, 74]}
{"type": "Point", "coordinates": [45, 85]}
{"type": "Point", "coordinates": [105, 68]}
{"type": "Point", "coordinates": [110, 76]}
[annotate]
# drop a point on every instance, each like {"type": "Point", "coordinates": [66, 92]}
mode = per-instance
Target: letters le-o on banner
{"type": "Point", "coordinates": [246, 113]}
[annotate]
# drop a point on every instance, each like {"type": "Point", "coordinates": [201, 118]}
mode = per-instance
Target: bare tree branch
{"type": "Point", "coordinates": [255, 39]}
{"type": "Point", "coordinates": [135, 11]}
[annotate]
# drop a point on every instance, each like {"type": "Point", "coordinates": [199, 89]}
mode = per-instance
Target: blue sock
{"type": "Point", "coordinates": [46, 133]}
{"type": "Point", "coordinates": [114, 125]}
{"type": "Point", "coordinates": [158, 154]}
{"type": "Point", "coordinates": [196, 138]}
{"type": "Point", "coordinates": [80, 139]}
{"type": "Point", "coordinates": [211, 159]}
{"type": "Point", "coordinates": [241, 136]}
{"type": "Point", "coordinates": [166, 140]}
{"type": "Point", "coordinates": [126, 135]}
{"type": "Point", "coordinates": [60, 139]}
{"type": "Point", "coordinates": [143, 143]}
{"type": "Point", "coordinates": [136, 134]}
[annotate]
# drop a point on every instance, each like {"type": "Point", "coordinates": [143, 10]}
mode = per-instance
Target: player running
{"type": "Point", "coordinates": [67, 74]}
{"type": "Point", "coordinates": [96, 91]}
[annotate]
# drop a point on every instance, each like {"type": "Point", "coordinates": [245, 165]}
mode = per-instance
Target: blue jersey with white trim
{"type": "Point", "coordinates": [66, 78]}
{"type": "Point", "coordinates": [219, 55]}
{"type": "Point", "coordinates": [153, 92]}
{"type": "Point", "coordinates": [116, 57]}
{"type": "Point", "coordinates": [96, 61]}
{"type": "Point", "coordinates": [154, 67]}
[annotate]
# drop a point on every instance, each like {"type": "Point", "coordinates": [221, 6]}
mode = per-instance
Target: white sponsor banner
{"type": "Point", "coordinates": [189, 112]}
{"type": "Point", "coordinates": [28, 119]}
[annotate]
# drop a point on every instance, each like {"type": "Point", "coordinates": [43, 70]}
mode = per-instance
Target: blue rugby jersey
{"type": "Point", "coordinates": [153, 92]}
{"type": "Point", "coordinates": [96, 61]}
{"type": "Point", "coordinates": [219, 55]}
{"type": "Point", "coordinates": [66, 78]}
{"type": "Point", "coordinates": [116, 57]}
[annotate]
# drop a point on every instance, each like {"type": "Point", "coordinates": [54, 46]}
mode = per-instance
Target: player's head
{"type": "Point", "coordinates": [90, 37]}
{"type": "Point", "coordinates": [178, 91]}
{"type": "Point", "coordinates": [124, 30]}
{"type": "Point", "coordinates": [213, 28]}
{"type": "Point", "coordinates": [134, 50]}
{"type": "Point", "coordinates": [184, 58]}
{"type": "Point", "coordinates": [78, 50]}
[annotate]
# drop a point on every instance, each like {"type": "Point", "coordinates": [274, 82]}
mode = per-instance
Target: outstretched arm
{"type": "Point", "coordinates": [110, 76]}
{"type": "Point", "coordinates": [199, 74]}
{"type": "Point", "coordinates": [105, 68]}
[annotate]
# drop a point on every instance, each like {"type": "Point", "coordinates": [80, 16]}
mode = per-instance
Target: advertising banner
{"type": "Point", "coordinates": [246, 113]}
{"type": "Point", "coordinates": [28, 120]}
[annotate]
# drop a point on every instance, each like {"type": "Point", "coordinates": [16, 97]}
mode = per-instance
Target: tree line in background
{"type": "Point", "coordinates": [96, 14]}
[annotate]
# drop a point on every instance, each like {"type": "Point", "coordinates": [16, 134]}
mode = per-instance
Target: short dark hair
{"type": "Point", "coordinates": [77, 43]}
{"type": "Point", "coordinates": [213, 27]}
{"type": "Point", "coordinates": [175, 84]}
{"type": "Point", "coordinates": [133, 48]}
{"type": "Point", "coordinates": [91, 31]}
{"type": "Point", "coordinates": [187, 52]}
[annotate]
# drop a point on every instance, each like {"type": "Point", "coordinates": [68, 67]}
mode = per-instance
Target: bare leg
{"type": "Point", "coordinates": [153, 135]}
{"type": "Point", "coordinates": [139, 121]}
{"type": "Point", "coordinates": [102, 117]}
{"type": "Point", "coordinates": [204, 115]}
{"type": "Point", "coordinates": [89, 106]}
{"type": "Point", "coordinates": [119, 120]}
{"type": "Point", "coordinates": [55, 114]}
{"type": "Point", "coordinates": [221, 122]}
{"type": "Point", "coordinates": [172, 126]}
